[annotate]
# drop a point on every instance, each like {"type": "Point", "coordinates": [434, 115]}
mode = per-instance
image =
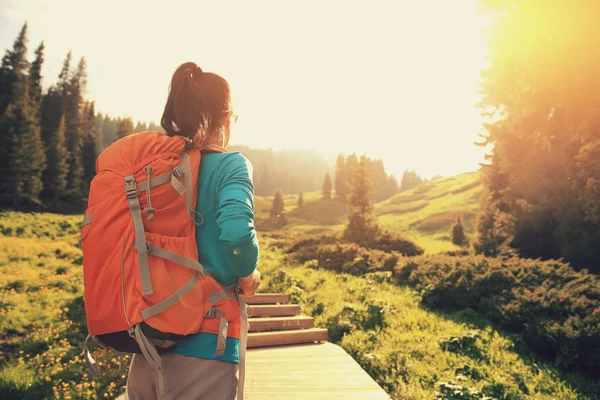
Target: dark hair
{"type": "Point", "coordinates": [197, 103]}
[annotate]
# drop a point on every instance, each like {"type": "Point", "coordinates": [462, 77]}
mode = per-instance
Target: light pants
{"type": "Point", "coordinates": [185, 378]}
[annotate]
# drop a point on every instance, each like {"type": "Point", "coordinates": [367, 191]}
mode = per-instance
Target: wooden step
{"type": "Point", "coordinates": [268, 298]}
{"type": "Point", "coordinates": [281, 310]}
{"type": "Point", "coordinates": [262, 339]}
{"type": "Point", "coordinates": [281, 323]}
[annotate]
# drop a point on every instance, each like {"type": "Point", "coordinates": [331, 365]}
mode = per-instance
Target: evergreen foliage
{"type": "Point", "coordinates": [327, 186]}
{"type": "Point", "coordinates": [410, 179]}
{"type": "Point", "coordinates": [55, 175]}
{"type": "Point", "coordinates": [362, 226]}
{"type": "Point", "coordinates": [457, 234]}
{"type": "Point", "coordinates": [125, 128]}
{"type": "Point", "coordinates": [543, 93]}
{"type": "Point", "coordinates": [277, 214]}
{"type": "Point", "coordinates": [384, 185]}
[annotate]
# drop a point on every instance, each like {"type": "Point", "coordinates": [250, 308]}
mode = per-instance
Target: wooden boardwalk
{"type": "Point", "coordinates": [307, 372]}
{"type": "Point", "coordinates": [288, 358]}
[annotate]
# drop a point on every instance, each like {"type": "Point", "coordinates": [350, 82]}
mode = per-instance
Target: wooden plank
{"type": "Point", "coordinates": [307, 372]}
{"type": "Point", "coordinates": [280, 310]}
{"type": "Point", "coordinates": [268, 298]}
{"type": "Point", "coordinates": [281, 323]}
{"type": "Point", "coordinates": [261, 339]}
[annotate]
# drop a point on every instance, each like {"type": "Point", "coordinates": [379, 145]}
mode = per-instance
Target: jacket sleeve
{"type": "Point", "coordinates": [235, 216]}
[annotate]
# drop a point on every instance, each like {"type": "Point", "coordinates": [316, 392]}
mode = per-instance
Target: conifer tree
{"type": "Point", "coordinates": [89, 150]}
{"type": "Point", "coordinates": [26, 160]}
{"type": "Point", "coordinates": [125, 128]}
{"type": "Point", "coordinates": [35, 79]}
{"type": "Point", "coordinates": [74, 135]}
{"type": "Point", "coordinates": [341, 186]}
{"type": "Point", "coordinates": [277, 213]}
{"type": "Point", "coordinates": [327, 186]}
{"type": "Point", "coordinates": [300, 200]}
{"type": "Point", "coordinates": [351, 164]}
{"type": "Point", "coordinates": [55, 174]}
{"type": "Point", "coordinates": [22, 159]}
{"type": "Point", "coordinates": [13, 77]}
{"type": "Point", "coordinates": [362, 226]}
{"type": "Point", "coordinates": [457, 233]}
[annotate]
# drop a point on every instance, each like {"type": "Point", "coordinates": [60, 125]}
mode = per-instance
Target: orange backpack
{"type": "Point", "coordinates": [144, 287]}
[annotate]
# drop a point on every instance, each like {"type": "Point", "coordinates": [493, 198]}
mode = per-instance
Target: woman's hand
{"type": "Point", "coordinates": [249, 284]}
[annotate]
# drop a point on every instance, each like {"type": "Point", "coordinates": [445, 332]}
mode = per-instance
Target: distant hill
{"type": "Point", "coordinates": [426, 212]}
{"type": "Point", "coordinates": [423, 214]}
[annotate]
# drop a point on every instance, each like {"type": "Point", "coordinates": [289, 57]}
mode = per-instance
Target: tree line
{"type": "Point", "coordinates": [384, 185]}
{"type": "Point", "coordinates": [49, 140]}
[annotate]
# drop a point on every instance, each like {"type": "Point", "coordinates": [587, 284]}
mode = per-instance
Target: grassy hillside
{"type": "Point", "coordinates": [423, 214]}
{"type": "Point", "coordinates": [412, 352]}
{"type": "Point", "coordinates": [426, 212]}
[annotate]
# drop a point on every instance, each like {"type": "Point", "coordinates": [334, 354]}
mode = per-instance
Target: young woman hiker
{"type": "Point", "coordinates": [199, 108]}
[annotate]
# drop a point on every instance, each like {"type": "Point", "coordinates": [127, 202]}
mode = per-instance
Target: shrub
{"type": "Point", "coordinates": [556, 309]}
{"type": "Point", "coordinates": [389, 242]}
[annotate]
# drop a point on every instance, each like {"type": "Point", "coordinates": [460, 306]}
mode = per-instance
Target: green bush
{"type": "Point", "coordinates": [556, 309]}
{"type": "Point", "coordinates": [389, 242]}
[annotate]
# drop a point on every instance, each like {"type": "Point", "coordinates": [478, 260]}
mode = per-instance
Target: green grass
{"type": "Point", "coordinates": [42, 322]}
{"type": "Point", "coordinates": [411, 351]}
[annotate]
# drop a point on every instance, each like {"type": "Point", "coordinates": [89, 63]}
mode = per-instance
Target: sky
{"type": "Point", "coordinates": [397, 80]}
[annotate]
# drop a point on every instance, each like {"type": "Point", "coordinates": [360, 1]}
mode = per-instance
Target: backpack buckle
{"type": "Point", "coordinates": [177, 172]}
{"type": "Point", "coordinates": [148, 247]}
{"type": "Point", "coordinates": [130, 187]}
{"type": "Point", "coordinates": [211, 313]}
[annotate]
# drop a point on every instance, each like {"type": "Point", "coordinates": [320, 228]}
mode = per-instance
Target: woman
{"type": "Point", "coordinates": [199, 108]}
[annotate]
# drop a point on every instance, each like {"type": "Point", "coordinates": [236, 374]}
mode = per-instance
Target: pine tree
{"type": "Point", "coordinates": [35, 79]}
{"type": "Point", "coordinates": [125, 128]}
{"type": "Point", "coordinates": [351, 164]}
{"type": "Point", "coordinates": [55, 175]}
{"type": "Point", "coordinates": [89, 150]}
{"type": "Point", "coordinates": [140, 127]}
{"type": "Point", "coordinates": [410, 179]}
{"type": "Point", "coordinates": [74, 135]}
{"type": "Point", "coordinates": [26, 159]}
{"type": "Point", "coordinates": [327, 186]}
{"type": "Point", "coordinates": [300, 200]}
{"type": "Point", "coordinates": [457, 233]}
{"type": "Point", "coordinates": [277, 213]}
{"type": "Point", "coordinates": [341, 186]}
{"type": "Point", "coordinates": [22, 159]}
{"type": "Point", "coordinates": [13, 77]}
{"type": "Point", "coordinates": [362, 226]}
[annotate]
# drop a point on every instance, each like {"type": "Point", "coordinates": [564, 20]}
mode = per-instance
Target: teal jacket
{"type": "Point", "coordinates": [227, 242]}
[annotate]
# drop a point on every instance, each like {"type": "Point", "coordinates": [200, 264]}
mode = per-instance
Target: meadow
{"type": "Point", "coordinates": [397, 319]}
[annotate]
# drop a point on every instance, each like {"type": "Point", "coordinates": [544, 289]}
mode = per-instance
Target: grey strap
{"type": "Point", "coordinates": [172, 176]}
{"type": "Point", "coordinates": [243, 346]}
{"type": "Point", "coordinates": [187, 175]}
{"type": "Point", "coordinates": [89, 360]}
{"type": "Point", "coordinates": [140, 236]}
{"type": "Point", "coordinates": [176, 258]}
{"type": "Point", "coordinates": [222, 335]}
{"type": "Point", "coordinates": [223, 294]}
{"type": "Point", "coordinates": [178, 185]}
{"type": "Point", "coordinates": [171, 300]}
{"type": "Point", "coordinates": [87, 220]}
{"type": "Point", "coordinates": [150, 354]}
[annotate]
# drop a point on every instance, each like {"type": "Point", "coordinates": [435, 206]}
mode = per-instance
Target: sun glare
{"type": "Point", "coordinates": [397, 80]}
